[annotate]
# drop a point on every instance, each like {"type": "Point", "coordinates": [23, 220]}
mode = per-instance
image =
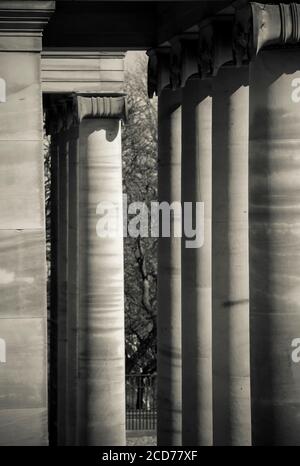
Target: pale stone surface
{"type": "Point", "coordinates": [82, 71]}
{"type": "Point", "coordinates": [274, 247]}
{"type": "Point", "coordinates": [26, 427]}
{"type": "Point", "coordinates": [196, 268]}
{"type": "Point", "coordinates": [23, 400]}
{"type": "Point", "coordinates": [230, 321]}
{"type": "Point", "coordinates": [21, 162]}
{"type": "Point", "coordinates": [22, 273]}
{"type": "Point", "coordinates": [21, 184]}
{"type": "Point", "coordinates": [23, 376]}
{"type": "Point", "coordinates": [21, 116]}
{"type": "Point", "coordinates": [169, 273]}
{"type": "Point", "coordinates": [101, 364]}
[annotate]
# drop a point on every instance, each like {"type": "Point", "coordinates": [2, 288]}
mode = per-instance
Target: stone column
{"type": "Point", "coordinates": [169, 273]}
{"type": "Point", "coordinates": [63, 315]}
{"type": "Point", "coordinates": [23, 308]}
{"type": "Point", "coordinates": [196, 267]}
{"type": "Point", "coordinates": [274, 221]}
{"type": "Point", "coordinates": [93, 384]}
{"type": "Point", "coordinates": [230, 322]}
{"type": "Point", "coordinates": [59, 282]}
{"type": "Point", "coordinates": [230, 271]}
{"type": "Point", "coordinates": [101, 352]}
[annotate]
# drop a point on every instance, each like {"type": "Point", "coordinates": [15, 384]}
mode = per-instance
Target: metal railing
{"type": "Point", "coordinates": [140, 402]}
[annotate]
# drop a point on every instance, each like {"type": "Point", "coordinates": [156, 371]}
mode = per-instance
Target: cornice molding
{"type": "Point", "coordinates": [66, 111]}
{"type": "Point", "coordinates": [259, 25]}
{"type": "Point", "coordinates": [22, 24]}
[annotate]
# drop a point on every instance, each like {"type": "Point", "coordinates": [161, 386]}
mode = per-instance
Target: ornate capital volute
{"type": "Point", "coordinates": [176, 63]}
{"type": "Point", "coordinates": [152, 73]}
{"type": "Point", "coordinates": [260, 25]}
{"type": "Point", "coordinates": [158, 70]}
{"type": "Point", "coordinates": [66, 111]}
{"type": "Point", "coordinates": [215, 45]}
{"type": "Point", "coordinates": [183, 62]}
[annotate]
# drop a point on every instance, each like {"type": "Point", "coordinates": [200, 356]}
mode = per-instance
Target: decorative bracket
{"type": "Point", "coordinates": [215, 46]}
{"type": "Point", "coordinates": [183, 63]}
{"type": "Point", "coordinates": [158, 70]}
{"type": "Point", "coordinates": [260, 25]}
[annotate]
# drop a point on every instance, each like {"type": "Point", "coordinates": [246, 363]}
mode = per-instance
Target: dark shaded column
{"type": "Point", "coordinates": [196, 267]}
{"type": "Point", "coordinates": [169, 273]}
{"type": "Point", "coordinates": [230, 321]}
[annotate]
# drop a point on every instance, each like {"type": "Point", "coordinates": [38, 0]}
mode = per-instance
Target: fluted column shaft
{"type": "Point", "coordinates": [196, 267]}
{"type": "Point", "coordinates": [230, 321]}
{"type": "Point", "coordinates": [274, 246]}
{"type": "Point", "coordinates": [169, 273]}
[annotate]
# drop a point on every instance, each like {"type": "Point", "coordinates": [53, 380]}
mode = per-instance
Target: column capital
{"type": "Point", "coordinates": [64, 111]}
{"type": "Point", "coordinates": [260, 25]}
{"type": "Point", "coordinates": [158, 70]}
{"type": "Point", "coordinates": [95, 106]}
{"type": "Point", "coordinates": [22, 24]}
{"type": "Point", "coordinates": [172, 66]}
{"type": "Point", "coordinates": [176, 58]}
{"type": "Point", "coordinates": [183, 60]}
{"type": "Point", "coordinates": [215, 45]}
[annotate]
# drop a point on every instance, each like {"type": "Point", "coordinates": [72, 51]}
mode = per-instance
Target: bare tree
{"type": "Point", "coordinates": [140, 184]}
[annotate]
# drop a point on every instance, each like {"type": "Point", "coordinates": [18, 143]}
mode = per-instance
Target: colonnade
{"type": "Point", "coordinates": [240, 154]}
{"type": "Point", "coordinates": [229, 309]}
{"type": "Point", "coordinates": [82, 96]}
{"type": "Point", "coordinates": [88, 290]}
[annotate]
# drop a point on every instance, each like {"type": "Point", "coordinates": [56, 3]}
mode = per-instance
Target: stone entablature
{"type": "Point", "coordinates": [84, 71]}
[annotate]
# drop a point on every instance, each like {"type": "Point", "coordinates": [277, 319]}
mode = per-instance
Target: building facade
{"type": "Point", "coordinates": [227, 76]}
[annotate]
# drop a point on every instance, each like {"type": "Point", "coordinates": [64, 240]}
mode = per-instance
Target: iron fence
{"type": "Point", "coordinates": [141, 402]}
